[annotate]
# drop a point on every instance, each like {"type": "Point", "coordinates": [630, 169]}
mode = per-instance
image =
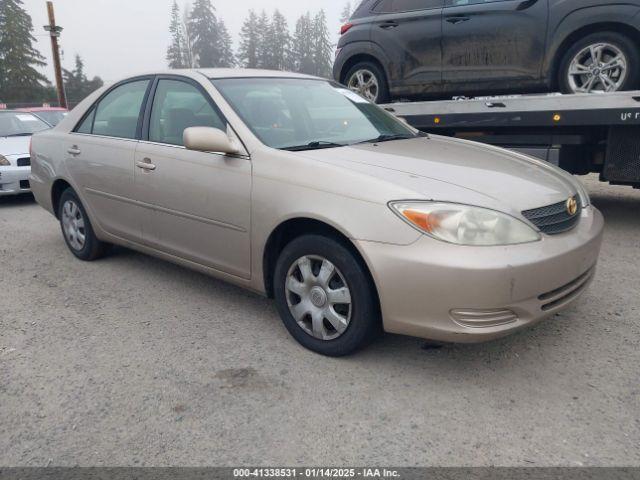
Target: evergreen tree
{"type": "Point", "coordinates": [346, 13]}
{"type": "Point", "coordinates": [248, 51]}
{"type": "Point", "coordinates": [175, 52]}
{"type": "Point", "coordinates": [280, 42]}
{"type": "Point", "coordinates": [322, 47]}
{"type": "Point", "coordinates": [20, 81]}
{"type": "Point", "coordinates": [76, 83]}
{"type": "Point", "coordinates": [303, 47]}
{"type": "Point", "coordinates": [227, 58]}
{"type": "Point", "coordinates": [205, 37]}
{"type": "Point", "coordinates": [265, 38]}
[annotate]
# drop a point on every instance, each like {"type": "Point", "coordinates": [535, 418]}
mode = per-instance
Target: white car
{"type": "Point", "coordinates": [16, 129]}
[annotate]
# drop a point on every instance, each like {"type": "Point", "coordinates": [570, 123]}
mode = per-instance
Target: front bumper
{"type": "Point", "coordinates": [453, 293]}
{"type": "Point", "coordinates": [14, 180]}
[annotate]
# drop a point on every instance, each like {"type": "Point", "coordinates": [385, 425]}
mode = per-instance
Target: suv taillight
{"type": "Point", "coordinates": [345, 28]}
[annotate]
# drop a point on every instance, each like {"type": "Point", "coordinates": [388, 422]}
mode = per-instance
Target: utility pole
{"type": "Point", "coordinates": [54, 32]}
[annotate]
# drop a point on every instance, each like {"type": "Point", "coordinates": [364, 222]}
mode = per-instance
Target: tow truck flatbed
{"type": "Point", "coordinates": [581, 133]}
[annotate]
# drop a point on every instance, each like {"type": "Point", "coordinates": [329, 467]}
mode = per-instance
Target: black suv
{"type": "Point", "coordinates": [411, 48]}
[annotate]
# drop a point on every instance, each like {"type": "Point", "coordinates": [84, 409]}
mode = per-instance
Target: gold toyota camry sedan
{"type": "Point", "coordinates": [299, 189]}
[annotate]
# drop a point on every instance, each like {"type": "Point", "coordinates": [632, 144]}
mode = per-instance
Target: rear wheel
{"type": "Point", "coordinates": [600, 62]}
{"type": "Point", "coordinates": [368, 79]}
{"type": "Point", "coordinates": [325, 297]}
{"type": "Point", "coordinates": [77, 230]}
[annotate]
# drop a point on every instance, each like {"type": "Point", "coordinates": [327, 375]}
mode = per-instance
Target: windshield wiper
{"type": "Point", "coordinates": [389, 138]}
{"type": "Point", "coordinates": [315, 145]}
{"type": "Point", "coordinates": [17, 135]}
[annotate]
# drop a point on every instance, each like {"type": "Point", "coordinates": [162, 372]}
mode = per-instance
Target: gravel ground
{"type": "Point", "coordinates": [134, 361]}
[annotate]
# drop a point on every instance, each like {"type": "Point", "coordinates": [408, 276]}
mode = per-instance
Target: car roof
{"type": "Point", "coordinates": [42, 109]}
{"type": "Point", "coordinates": [13, 111]}
{"type": "Point", "coordinates": [217, 73]}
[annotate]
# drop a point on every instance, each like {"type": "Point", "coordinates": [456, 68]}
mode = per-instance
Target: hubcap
{"type": "Point", "coordinates": [73, 225]}
{"type": "Point", "coordinates": [319, 298]}
{"type": "Point", "coordinates": [598, 68]}
{"type": "Point", "coordinates": [365, 83]}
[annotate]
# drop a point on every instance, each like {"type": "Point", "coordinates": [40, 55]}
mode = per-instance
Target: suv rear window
{"type": "Point", "coordinates": [363, 9]}
{"type": "Point", "coordinates": [395, 6]}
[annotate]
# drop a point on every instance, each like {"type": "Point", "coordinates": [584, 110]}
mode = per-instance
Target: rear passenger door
{"type": "Point", "coordinates": [100, 154]}
{"type": "Point", "coordinates": [197, 204]}
{"type": "Point", "coordinates": [489, 41]}
{"type": "Point", "coordinates": [409, 32]}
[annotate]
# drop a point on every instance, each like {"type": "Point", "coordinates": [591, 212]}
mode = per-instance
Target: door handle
{"type": "Point", "coordinates": [456, 20]}
{"type": "Point", "coordinates": [146, 165]}
{"type": "Point", "coordinates": [388, 25]}
{"type": "Point", "coordinates": [75, 151]}
{"type": "Point", "coordinates": [526, 4]}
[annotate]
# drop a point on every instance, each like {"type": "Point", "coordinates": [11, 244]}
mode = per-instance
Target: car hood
{"type": "Point", "coordinates": [14, 145]}
{"type": "Point", "coordinates": [446, 169]}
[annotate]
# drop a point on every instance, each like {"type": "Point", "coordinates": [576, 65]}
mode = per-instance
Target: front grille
{"type": "Point", "coordinates": [554, 219]}
{"type": "Point", "coordinates": [24, 162]}
{"type": "Point", "coordinates": [566, 293]}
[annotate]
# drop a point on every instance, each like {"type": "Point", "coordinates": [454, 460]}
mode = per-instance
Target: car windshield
{"type": "Point", "coordinates": [305, 114]}
{"type": "Point", "coordinates": [17, 124]}
{"type": "Point", "coordinates": [53, 117]}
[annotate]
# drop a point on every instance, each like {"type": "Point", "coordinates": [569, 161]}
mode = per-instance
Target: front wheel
{"type": "Point", "coordinates": [599, 63]}
{"type": "Point", "coordinates": [325, 296]}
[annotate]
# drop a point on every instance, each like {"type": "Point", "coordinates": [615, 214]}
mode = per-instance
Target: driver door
{"type": "Point", "coordinates": [197, 204]}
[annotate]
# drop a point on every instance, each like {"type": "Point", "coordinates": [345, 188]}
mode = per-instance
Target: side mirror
{"type": "Point", "coordinates": [207, 139]}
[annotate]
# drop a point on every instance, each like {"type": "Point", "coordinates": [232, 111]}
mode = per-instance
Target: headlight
{"type": "Point", "coordinates": [4, 162]}
{"type": "Point", "coordinates": [464, 224]}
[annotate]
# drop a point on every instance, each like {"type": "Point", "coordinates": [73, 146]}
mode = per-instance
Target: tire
{"type": "Point", "coordinates": [362, 314]}
{"type": "Point", "coordinates": [91, 248]}
{"type": "Point", "coordinates": [373, 69]}
{"type": "Point", "coordinates": [615, 42]}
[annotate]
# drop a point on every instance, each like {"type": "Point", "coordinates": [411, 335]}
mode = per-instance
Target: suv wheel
{"type": "Point", "coordinates": [600, 62]}
{"type": "Point", "coordinates": [367, 79]}
{"type": "Point", "coordinates": [325, 296]}
{"type": "Point", "coordinates": [77, 230]}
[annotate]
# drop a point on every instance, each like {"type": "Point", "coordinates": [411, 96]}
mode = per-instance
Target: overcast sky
{"type": "Point", "coordinates": [119, 37]}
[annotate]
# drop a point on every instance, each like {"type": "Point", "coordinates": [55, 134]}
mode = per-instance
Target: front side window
{"type": "Point", "coordinates": [16, 124]}
{"type": "Point", "coordinates": [288, 113]}
{"type": "Point", "coordinates": [118, 113]}
{"type": "Point", "coordinates": [397, 6]}
{"type": "Point", "coordinates": [87, 124]}
{"type": "Point", "coordinates": [177, 106]}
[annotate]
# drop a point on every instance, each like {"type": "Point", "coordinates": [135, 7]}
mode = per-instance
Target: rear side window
{"type": "Point", "coordinates": [397, 6]}
{"type": "Point", "coordinates": [363, 9]}
{"type": "Point", "coordinates": [177, 106]}
{"type": "Point", "coordinates": [118, 113]}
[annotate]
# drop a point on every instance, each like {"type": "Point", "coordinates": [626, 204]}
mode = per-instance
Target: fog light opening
{"type": "Point", "coordinates": [478, 318]}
